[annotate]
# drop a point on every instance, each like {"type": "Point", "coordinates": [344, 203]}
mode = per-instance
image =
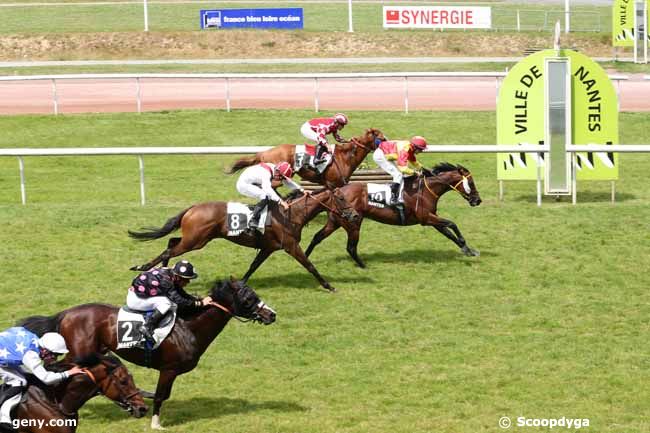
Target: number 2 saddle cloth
{"type": "Point", "coordinates": [239, 215]}
{"type": "Point", "coordinates": [128, 328]}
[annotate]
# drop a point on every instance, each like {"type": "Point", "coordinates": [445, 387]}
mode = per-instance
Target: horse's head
{"type": "Point", "coordinates": [113, 380]}
{"type": "Point", "coordinates": [374, 137]}
{"type": "Point", "coordinates": [459, 179]}
{"type": "Point", "coordinates": [242, 301]}
{"type": "Point", "coordinates": [348, 212]}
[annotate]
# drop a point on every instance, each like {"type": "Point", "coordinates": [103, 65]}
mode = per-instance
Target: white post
{"type": "Point", "coordinates": [55, 97]}
{"type": "Point", "coordinates": [350, 29]}
{"type": "Point", "coordinates": [21, 165]}
{"type": "Point", "coordinates": [539, 185]}
{"type": "Point", "coordinates": [316, 96]}
{"type": "Point", "coordinates": [227, 95]}
{"type": "Point", "coordinates": [141, 163]}
{"type": "Point", "coordinates": [137, 94]}
{"type": "Point", "coordinates": [406, 95]}
{"type": "Point", "coordinates": [518, 21]}
{"type": "Point", "coordinates": [146, 16]}
{"type": "Point", "coordinates": [574, 177]}
{"type": "Point", "coordinates": [567, 17]}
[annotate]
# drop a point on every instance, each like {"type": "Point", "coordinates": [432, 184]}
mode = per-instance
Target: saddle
{"type": "Point", "coordinates": [379, 195]}
{"type": "Point", "coordinates": [239, 215]}
{"type": "Point", "coordinates": [305, 155]}
{"type": "Point", "coordinates": [128, 328]}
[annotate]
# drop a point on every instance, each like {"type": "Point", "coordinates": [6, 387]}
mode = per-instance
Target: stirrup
{"type": "Point", "coordinates": [148, 335]}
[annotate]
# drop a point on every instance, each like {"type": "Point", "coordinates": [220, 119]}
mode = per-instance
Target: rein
{"type": "Point", "coordinates": [228, 312]}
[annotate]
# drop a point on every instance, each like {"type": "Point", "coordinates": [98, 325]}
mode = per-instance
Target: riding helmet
{"type": "Point", "coordinates": [184, 269]}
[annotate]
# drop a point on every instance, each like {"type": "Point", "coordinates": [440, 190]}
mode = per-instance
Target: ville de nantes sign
{"type": "Point", "coordinates": [623, 23]}
{"type": "Point", "coordinates": [521, 116]}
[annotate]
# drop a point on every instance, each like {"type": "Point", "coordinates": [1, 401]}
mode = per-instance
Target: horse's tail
{"type": "Point", "coordinates": [151, 233]}
{"type": "Point", "coordinates": [39, 325]}
{"type": "Point", "coordinates": [243, 163]}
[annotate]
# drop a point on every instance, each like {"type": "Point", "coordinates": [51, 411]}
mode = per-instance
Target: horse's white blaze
{"type": "Point", "coordinates": [263, 306]}
{"type": "Point", "coordinates": [466, 185]}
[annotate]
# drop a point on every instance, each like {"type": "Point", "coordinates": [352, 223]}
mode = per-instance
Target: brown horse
{"type": "Point", "coordinates": [92, 328]}
{"type": "Point", "coordinates": [55, 409]}
{"type": "Point", "coordinates": [203, 222]}
{"type": "Point", "coordinates": [346, 159]}
{"type": "Point", "coordinates": [420, 195]}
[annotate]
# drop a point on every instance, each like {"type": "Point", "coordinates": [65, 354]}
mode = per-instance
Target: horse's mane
{"type": "Point", "coordinates": [443, 167]}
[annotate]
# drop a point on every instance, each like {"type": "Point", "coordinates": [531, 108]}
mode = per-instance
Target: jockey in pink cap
{"type": "Point", "coordinates": [317, 129]}
{"type": "Point", "coordinates": [259, 181]}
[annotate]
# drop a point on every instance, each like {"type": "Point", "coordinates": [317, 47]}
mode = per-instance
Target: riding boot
{"type": "Point", "coordinates": [318, 158]}
{"type": "Point", "coordinates": [257, 213]}
{"type": "Point", "coordinates": [394, 200]}
{"type": "Point", "coordinates": [6, 427]}
{"type": "Point", "coordinates": [150, 324]}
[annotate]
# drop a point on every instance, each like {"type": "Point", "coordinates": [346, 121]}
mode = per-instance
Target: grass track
{"type": "Point", "coordinates": [550, 321]}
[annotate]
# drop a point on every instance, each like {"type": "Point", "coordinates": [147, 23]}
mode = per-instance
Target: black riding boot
{"type": "Point", "coordinates": [318, 158]}
{"type": "Point", "coordinates": [394, 200]}
{"type": "Point", "coordinates": [257, 213]}
{"type": "Point", "coordinates": [150, 324]}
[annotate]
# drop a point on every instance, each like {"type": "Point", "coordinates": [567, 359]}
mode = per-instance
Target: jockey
{"type": "Point", "coordinates": [405, 163]}
{"type": "Point", "coordinates": [158, 289]}
{"type": "Point", "coordinates": [260, 181]}
{"type": "Point", "coordinates": [22, 352]}
{"type": "Point", "coordinates": [316, 130]}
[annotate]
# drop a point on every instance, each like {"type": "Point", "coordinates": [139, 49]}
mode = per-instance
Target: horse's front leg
{"type": "Point", "coordinates": [450, 230]}
{"type": "Point", "coordinates": [163, 391]}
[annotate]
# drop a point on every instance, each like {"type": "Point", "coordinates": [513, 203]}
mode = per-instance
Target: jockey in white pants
{"type": "Point", "coordinates": [158, 289]}
{"type": "Point", "coordinates": [21, 352]}
{"type": "Point", "coordinates": [317, 129]}
{"type": "Point", "coordinates": [259, 182]}
{"type": "Point", "coordinates": [397, 158]}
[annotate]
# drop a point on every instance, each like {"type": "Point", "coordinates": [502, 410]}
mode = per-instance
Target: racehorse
{"type": "Point", "coordinates": [206, 221]}
{"type": "Point", "coordinates": [346, 159]}
{"type": "Point", "coordinates": [421, 195]}
{"type": "Point", "coordinates": [92, 328]}
{"type": "Point", "coordinates": [54, 409]}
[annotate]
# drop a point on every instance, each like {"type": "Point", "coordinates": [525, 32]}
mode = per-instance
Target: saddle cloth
{"type": "Point", "coordinates": [379, 194]}
{"type": "Point", "coordinates": [304, 157]}
{"type": "Point", "coordinates": [238, 216]}
{"type": "Point", "coordinates": [128, 328]}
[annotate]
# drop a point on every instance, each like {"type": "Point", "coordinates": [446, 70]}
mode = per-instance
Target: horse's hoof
{"type": "Point", "coordinates": [332, 289]}
{"type": "Point", "coordinates": [134, 268]}
{"type": "Point", "coordinates": [155, 423]}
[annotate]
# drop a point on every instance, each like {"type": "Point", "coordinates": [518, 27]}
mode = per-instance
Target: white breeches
{"type": "Point", "coordinates": [308, 133]}
{"type": "Point", "coordinates": [11, 377]}
{"type": "Point", "coordinates": [251, 190]}
{"type": "Point", "coordinates": [160, 303]}
{"type": "Point", "coordinates": [390, 168]}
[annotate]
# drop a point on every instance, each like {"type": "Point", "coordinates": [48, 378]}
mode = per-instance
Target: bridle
{"type": "Point", "coordinates": [123, 402]}
{"type": "Point", "coordinates": [255, 318]}
{"type": "Point", "coordinates": [305, 196]}
{"type": "Point", "coordinates": [463, 181]}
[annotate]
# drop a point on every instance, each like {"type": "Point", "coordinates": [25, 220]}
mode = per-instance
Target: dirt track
{"type": "Point", "coordinates": [77, 96]}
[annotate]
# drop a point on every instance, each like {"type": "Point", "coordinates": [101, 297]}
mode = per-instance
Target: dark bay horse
{"type": "Point", "coordinates": [347, 158]}
{"type": "Point", "coordinates": [92, 328]}
{"type": "Point", "coordinates": [203, 222]}
{"type": "Point", "coordinates": [102, 374]}
{"type": "Point", "coordinates": [420, 195]}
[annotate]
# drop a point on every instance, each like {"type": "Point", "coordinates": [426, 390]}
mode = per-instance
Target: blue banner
{"type": "Point", "coordinates": [277, 18]}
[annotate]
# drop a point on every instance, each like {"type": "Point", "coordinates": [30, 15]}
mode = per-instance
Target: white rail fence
{"type": "Point", "coordinates": [228, 78]}
{"type": "Point", "coordinates": [20, 153]}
